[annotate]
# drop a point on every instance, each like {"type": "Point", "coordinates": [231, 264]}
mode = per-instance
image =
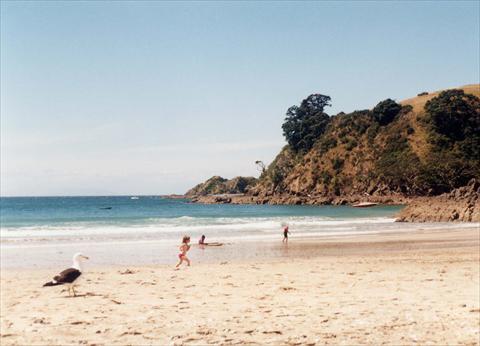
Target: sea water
{"type": "Point", "coordinates": [134, 217]}
{"type": "Point", "coordinates": [147, 229]}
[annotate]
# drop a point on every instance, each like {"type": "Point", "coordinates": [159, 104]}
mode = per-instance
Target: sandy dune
{"type": "Point", "coordinates": [402, 294]}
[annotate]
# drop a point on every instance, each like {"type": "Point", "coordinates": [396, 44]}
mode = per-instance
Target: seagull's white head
{"type": "Point", "coordinates": [78, 257]}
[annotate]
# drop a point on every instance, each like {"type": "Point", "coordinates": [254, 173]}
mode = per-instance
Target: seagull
{"type": "Point", "coordinates": [69, 276]}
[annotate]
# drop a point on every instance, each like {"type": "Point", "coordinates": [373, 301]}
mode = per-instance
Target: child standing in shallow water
{"type": "Point", "coordinates": [182, 256]}
{"type": "Point", "coordinates": [285, 234]}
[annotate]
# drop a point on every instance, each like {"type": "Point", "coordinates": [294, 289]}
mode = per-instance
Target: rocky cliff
{"type": "Point", "coordinates": [217, 185]}
{"type": "Point", "coordinates": [462, 204]}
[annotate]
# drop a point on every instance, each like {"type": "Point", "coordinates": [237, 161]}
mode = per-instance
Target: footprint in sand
{"type": "Point", "coordinates": [262, 298]}
{"type": "Point", "coordinates": [279, 332]}
{"type": "Point", "coordinates": [288, 288]}
{"type": "Point", "coordinates": [130, 333]}
{"type": "Point", "coordinates": [205, 331]}
{"type": "Point", "coordinates": [41, 321]}
{"type": "Point", "coordinates": [79, 322]}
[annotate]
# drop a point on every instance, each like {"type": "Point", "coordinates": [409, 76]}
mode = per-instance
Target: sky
{"type": "Point", "coordinates": [121, 98]}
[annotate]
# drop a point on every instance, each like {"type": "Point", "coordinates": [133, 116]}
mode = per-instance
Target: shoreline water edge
{"type": "Point", "coordinates": [405, 288]}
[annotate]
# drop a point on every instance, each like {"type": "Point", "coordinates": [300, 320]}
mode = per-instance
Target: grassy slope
{"type": "Point", "coordinates": [419, 143]}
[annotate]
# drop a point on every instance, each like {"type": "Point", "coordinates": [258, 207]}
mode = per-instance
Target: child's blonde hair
{"type": "Point", "coordinates": [185, 239]}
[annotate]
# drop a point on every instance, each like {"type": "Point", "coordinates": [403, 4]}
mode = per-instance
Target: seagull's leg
{"type": "Point", "coordinates": [69, 294]}
{"type": "Point", "coordinates": [73, 289]}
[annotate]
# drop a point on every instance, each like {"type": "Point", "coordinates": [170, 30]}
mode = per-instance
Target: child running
{"type": "Point", "coordinates": [182, 256]}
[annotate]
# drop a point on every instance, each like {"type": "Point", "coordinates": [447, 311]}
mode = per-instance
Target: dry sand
{"type": "Point", "coordinates": [416, 288]}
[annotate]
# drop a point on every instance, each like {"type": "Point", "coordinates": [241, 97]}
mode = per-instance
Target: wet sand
{"type": "Point", "coordinates": [411, 288]}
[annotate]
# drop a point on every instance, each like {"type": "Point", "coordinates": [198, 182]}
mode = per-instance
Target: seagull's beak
{"type": "Point", "coordinates": [85, 257]}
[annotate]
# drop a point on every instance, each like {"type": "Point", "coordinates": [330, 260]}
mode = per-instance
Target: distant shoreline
{"type": "Point", "coordinates": [460, 205]}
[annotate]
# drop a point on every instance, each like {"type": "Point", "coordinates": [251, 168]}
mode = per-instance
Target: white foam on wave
{"type": "Point", "coordinates": [185, 224]}
{"type": "Point", "coordinates": [224, 228]}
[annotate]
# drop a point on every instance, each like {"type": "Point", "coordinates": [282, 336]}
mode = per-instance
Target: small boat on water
{"type": "Point", "coordinates": [134, 197]}
{"type": "Point", "coordinates": [364, 205]}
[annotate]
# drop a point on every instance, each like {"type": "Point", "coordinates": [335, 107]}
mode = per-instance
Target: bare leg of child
{"type": "Point", "coordinates": [179, 262]}
{"type": "Point", "coordinates": [188, 261]}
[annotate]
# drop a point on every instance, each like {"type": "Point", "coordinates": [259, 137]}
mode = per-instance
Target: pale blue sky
{"type": "Point", "coordinates": [153, 97]}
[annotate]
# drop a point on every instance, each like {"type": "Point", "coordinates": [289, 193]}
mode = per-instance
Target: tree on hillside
{"type": "Point", "coordinates": [452, 120]}
{"type": "Point", "coordinates": [384, 112]}
{"type": "Point", "coordinates": [454, 114]}
{"type": "Point", "coordinates": [304, 124]}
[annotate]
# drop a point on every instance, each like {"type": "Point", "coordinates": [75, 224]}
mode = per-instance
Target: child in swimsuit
{"type": "Point", "coordinates": [285, 234]}
{"type": "Point", "coordinates": [182, 256]}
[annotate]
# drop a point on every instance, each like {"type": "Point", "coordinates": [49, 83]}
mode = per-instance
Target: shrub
{"type": "Point", "coordinates": [372, 132]}
{"type": "Point", "coordinates": [386, 111]}
{"type": "Point", "coordinates": [398, 165]}
{"type": "Point", "coordinates": [454, 114]}
{"type": "Point", "coordinates": [276, 177]}
{"type": "Point", "coordinates": [337, 163]}
{"type": "Point", "coordinates": [327, 143]}
{"type": "Point", "coordinates": [326, 177]}
{"type": "Point", "coordinates": [351, 144]}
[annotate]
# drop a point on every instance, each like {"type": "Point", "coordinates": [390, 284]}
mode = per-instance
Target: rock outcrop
{"type": "Point", "coordinates": [217, 185]}
{"type": "Point", "coordinates": [419, 152]}
{"type": "Point", "coordinates": [462, 204]}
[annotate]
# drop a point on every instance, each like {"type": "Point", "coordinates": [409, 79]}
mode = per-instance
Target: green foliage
{"type": "Point", "coordinates": [214, 185]}
{"type": "Point", "coordinates": [280, 167]}
{"type": "Point", "coordinates": [241, 184]}
{"type": "Point", "coordinates": [305, 124]}
{"type": "Point", "coordinates": [352, 143]}
{"type": "Point", "coordinates": [342, 133]}
{"type": "Point", "coordinates": [444, 171]}
{"type": "Point", "coordinates": [454, 114]}
{"type": "Point", "coordinates": [452, 121]}
{"type": "Point", "coordinates": [372, 133]}
{"type": "Point", "coordinates": [336, 184]}
{"type": "Point", "coordinates": [406, 109]}
{"type": "Point", "coordinates": [337, 163]}
{"type": "Point", "coordinates": [327, 143]}
{"type": "Point", "coordinates": [326, 177]}
{"type": "Point", "coordinates": [276, 177]}
{"type": "Point", "coordinates": [386, 111]}
{"type": "Point", "coordinates": [398, 165]}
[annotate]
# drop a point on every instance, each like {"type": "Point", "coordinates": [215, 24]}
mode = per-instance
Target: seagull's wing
{"type": "Point", "coordinates": [67, 276]}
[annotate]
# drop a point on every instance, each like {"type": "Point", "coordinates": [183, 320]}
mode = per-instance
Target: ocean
{"type": "Point", "coordinates": [36, 231]}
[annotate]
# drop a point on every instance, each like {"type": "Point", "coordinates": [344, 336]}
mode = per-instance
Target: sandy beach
{"type": "Point", "coordinates": [412, 288]}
